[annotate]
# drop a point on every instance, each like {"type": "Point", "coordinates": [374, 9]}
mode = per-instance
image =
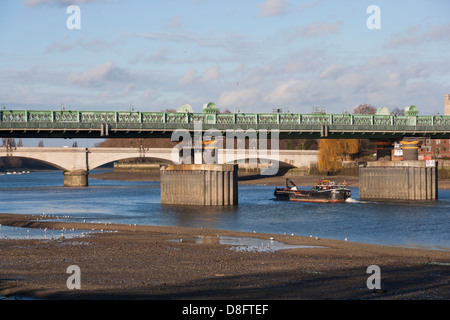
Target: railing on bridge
{"type": "Point", "coordinates": [95, 120]}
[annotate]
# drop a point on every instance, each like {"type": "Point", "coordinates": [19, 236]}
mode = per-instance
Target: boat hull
{"type": "Point", "coordinates": [332, 195]}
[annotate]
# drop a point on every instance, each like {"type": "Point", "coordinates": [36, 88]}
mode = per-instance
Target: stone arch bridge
{"type": "Point", "coordinates": [77, 162]}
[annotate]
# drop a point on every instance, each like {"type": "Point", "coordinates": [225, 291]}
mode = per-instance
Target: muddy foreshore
{"type": "Point", "coordinates": [149, 262]}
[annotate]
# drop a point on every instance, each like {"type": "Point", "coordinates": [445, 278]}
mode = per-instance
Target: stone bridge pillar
{"type": "Point", "coordinates": [410, 147]}
{"type": "Point", "coordinates": [76, 178]}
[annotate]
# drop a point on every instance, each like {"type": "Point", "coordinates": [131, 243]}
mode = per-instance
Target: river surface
{"type": "Point", "coordinates": [418, 224]}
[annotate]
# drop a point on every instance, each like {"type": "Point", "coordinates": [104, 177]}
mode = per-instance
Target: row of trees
{"type": "Point", "coordinates": [11, 143]}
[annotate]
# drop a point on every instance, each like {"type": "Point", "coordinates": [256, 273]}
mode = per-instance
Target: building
{"type": "Point", "coordinates": [434, 149]}
{"type": "Point", "coordinates": [447, 104]}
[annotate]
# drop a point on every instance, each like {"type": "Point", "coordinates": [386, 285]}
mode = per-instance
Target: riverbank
{"type": "Point", "coordinates": [150, 262]}
{"type": "Point", "coordinates": [247, 179]}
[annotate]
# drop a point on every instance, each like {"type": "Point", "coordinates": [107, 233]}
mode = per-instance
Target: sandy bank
{"type": "Point", "coordinates": [138, 262]}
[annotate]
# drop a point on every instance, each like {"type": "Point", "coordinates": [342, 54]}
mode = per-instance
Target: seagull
{"type": "Point", "coordinates": [345, 239]}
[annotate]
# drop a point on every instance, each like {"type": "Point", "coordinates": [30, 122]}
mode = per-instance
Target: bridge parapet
{"type": "Point", "coordinates": [67, 123]}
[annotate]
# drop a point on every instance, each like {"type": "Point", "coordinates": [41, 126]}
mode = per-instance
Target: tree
{"type": "Point", "coordinates": [365, 109]}
{"type": "Point", "coordinates": [10, 143]}
{"type": "Point", "coordinates": [333, 151]}
{"type": "Point", "coordinates": [366, 146]}
{"type": "Point", "coordinates": [398, 112]}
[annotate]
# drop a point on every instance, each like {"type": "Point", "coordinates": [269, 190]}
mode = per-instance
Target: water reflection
{"type": "Point", "coordinates": [194, 216]}
{"type": "Point", "coordinates": [245, 244]}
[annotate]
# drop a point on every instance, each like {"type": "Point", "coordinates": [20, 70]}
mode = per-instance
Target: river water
{"type": "Point", "coordinates": [422, 224]}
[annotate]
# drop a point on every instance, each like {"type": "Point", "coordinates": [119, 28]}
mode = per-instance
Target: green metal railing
{"type": "Point", "coordinates": [44, 116]}
{"type": "Point", "coordinates": [134, 121]}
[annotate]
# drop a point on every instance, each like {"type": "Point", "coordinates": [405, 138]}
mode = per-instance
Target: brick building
{"type": "Point", "coordinates": [434, 149]}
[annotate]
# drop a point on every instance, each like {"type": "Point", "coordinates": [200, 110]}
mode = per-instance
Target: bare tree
{"type": "Point", "coordinates": [365, 109]}
{"type": "Point", "coordinates": [397, 112]}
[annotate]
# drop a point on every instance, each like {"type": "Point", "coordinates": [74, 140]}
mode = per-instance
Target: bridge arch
{"type": "Point", "coordinates": [101, 156]}
{"type": "Point", "coordinates": [49, 163]}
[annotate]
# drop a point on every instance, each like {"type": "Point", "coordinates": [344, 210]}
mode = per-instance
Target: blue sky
{"type": "Point", "coordinates": [251, 55]}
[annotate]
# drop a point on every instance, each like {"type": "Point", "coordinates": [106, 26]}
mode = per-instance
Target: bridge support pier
{"type": "Point", "coordinates": [199, 184]}
{"type": "Point", "coordinates": [76, 178]}
{"type": "Point", "coordinates": [410, 147]}
{"type": "Point", "coordinates": [398, 180]}
{"type": "Point", "coordinates": [384, 150]}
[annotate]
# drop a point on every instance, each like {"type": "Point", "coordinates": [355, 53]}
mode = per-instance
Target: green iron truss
{"type": "Point", "coordinates": [73, 124]}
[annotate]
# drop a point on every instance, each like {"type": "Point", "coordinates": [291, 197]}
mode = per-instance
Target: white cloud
{"type": "Point", "coordinates": [93, 45]}
{"type": "Point", "coordinates": [98, 75]}
{"type": "Point", "coordinates": [189, 77]}
{"type": "Point", "coordinates": [287, 92]}
{"type": "Point", "coordinates": [239, 98]}
{"type": "Point", "coordinates": [318, 29]}
{"type": "Point", "coordinates": [309, 5]}
{"type": "Point", "coordinates": [273, 8]}
{"type": "Point", "coordinates": [175, 22]}
{"type": "Point", "coordinates": [379, 62]}
{"type": "Point", "coordinates": [415, 35]}
{"type": "Point", "coordinates": [332, 71]}
{"type": "Point", "coordinates": [211, 74]}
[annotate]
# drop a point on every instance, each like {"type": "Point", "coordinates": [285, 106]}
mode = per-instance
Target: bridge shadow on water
{"type": "Point", "coordinates": [282, 171]}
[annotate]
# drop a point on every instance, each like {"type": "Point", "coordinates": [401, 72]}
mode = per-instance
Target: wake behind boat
{"type": "Point", "coordinates": [323, 191]}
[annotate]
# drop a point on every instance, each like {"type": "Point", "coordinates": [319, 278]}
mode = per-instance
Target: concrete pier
{"type": "Point", "coordinates": [199, 184]}
{"type": "Point", "coordinates": [410, 149]}
{"type": "Point", "coordinates": [398, 180]}
{"type": "Point", "coordinates": [76, 178]}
